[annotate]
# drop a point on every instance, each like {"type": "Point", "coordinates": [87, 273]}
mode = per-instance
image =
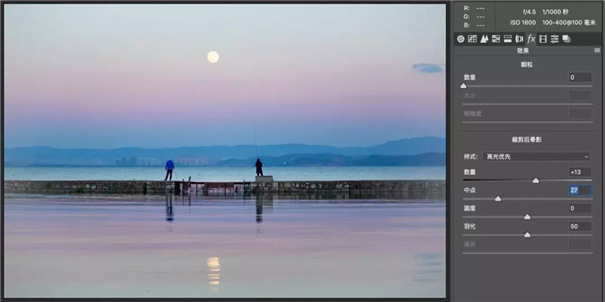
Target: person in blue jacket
{"type": "Point", "coordinates": [169, 168]}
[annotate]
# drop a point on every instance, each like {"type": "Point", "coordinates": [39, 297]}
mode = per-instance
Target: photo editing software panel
{"type": "Point", "coordinates": [526, 151]}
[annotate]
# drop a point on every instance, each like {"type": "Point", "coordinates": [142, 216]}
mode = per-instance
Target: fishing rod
{"type": "Point", "coordinates": [255, 143]}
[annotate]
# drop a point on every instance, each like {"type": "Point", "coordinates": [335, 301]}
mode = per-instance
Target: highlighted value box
{"type": "Point", "coordinates": [580, 190]}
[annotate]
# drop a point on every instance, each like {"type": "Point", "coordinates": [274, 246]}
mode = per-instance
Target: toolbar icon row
{"type": "Point", "coordinates": [518, 39]}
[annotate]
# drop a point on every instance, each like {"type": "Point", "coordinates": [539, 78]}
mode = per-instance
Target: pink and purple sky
{"type": "Point", "coordinates": [109, 76]}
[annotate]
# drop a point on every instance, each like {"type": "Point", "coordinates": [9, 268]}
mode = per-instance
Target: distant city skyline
{"type": "Point", "coordinates": [111, 76]}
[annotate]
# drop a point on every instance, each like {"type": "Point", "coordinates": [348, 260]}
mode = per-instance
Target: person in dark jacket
{"type": "Point", "coordinates": [259, 167]}
{"type": "Point", "coordinates": [169, 168]}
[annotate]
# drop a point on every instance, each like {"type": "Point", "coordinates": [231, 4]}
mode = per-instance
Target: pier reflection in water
{"type": "Point", "coordinates": [169, 212]}
{"type": "Point", "coordinates": [293, 247]}
{"type": "Point", "coordinates": [263, 203]}
{"type": "Point", "coordinates": [318, 195]}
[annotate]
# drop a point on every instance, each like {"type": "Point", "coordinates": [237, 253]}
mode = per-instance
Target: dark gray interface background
{"type": "Point", "coordinates": [526, 138]}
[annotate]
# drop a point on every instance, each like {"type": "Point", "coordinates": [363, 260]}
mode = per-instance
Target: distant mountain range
{"type": "Point", "coordinates": [390, 153]}
{"type": "Point", "coordinates": [331, 160]}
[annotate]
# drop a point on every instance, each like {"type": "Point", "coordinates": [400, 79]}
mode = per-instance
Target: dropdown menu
{"type": "Point", "coordinates": [539, 156]}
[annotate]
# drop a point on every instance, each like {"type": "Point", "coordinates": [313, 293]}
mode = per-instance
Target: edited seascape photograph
{"type": "Point", "coordinates": [224, 150]}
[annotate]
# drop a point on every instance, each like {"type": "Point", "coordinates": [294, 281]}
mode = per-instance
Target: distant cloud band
{"type": "Point", "coordinates": [427, 68]}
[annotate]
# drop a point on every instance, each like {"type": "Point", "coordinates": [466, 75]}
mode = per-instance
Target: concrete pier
{"type": "Point", "coordinates": [88, 187]}
{"type": "Point", "coordinates": [204, 188]}
{"type": "Point", "coordinates": [266, 178]}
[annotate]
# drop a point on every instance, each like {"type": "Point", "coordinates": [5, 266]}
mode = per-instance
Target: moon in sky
{"type": "Point", "coordinates": [213, 57]}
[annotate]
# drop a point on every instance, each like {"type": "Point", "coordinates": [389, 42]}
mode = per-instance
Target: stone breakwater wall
{"type": "Point", "coordinates": [88, 187]}
{"type": "Point", "coordinates": [176, 187]}
{"type": "Point", "coordinates": [348, 186]}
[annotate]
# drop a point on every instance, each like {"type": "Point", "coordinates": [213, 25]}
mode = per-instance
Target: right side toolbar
{"type": "Point", "coordinates": [526, 131]}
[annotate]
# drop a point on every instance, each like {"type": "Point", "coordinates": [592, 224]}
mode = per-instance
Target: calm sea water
{"type": "Point", "coordinates": [225, 173]}
{"type": "Point", "coordinates": [229, 248]}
